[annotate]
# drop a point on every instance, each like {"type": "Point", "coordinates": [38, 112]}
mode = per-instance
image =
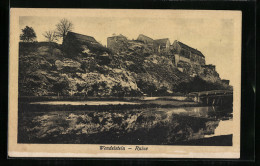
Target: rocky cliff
{"type": "Point", "coordinates": [93, 70]}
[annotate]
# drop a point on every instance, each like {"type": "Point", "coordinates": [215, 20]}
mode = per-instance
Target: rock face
{"type": "Point", "coordinates": [90, 69]}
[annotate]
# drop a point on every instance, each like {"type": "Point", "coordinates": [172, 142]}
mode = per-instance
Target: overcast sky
{"type": "Point", "coordinates": [213, 37]}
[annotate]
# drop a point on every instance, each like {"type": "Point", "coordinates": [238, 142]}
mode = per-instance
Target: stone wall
{"type": "Point", "coordinates": [145, 39]}
{"type": "Point", "coordinates": [179, 58]}
{"type": "Point", "coordinates": [117, 43]}
{"type": "Point", "coordinates": [197, 59]}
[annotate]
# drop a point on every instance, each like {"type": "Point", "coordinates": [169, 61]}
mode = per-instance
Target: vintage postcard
{"type": "Point", "coordinates": [124, 83]}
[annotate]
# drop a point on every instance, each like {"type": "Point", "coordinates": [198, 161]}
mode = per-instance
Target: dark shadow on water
{"type": "Point", "coordinates": [140, 126]}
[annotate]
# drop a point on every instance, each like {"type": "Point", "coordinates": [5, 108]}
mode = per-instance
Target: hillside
{"type": "Point", "coordinates": [93, 70]}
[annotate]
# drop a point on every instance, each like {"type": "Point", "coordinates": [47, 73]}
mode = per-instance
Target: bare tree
{"type": "Point", "coordinates": [51, 36]}
{"type": "Point", "coordinates": [63, 27]}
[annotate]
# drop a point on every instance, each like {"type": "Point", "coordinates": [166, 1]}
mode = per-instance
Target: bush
{"type": "Point", "coordinates": [146, 87]}
{"type": "Point", "coordinates": [197, 85]}
{"type": "Point", "coordinates": [60, 87]}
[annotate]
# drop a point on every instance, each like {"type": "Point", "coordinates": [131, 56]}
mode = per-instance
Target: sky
{"type": "Point", "coordinates": [213, 37]}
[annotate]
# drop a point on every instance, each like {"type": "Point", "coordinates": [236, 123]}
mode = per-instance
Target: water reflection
{"type": "Point", "coordinates": [85, 103]}
{"type": "Point", "coordinates": [161, 126]}
{"type": "Point", "coordinates": [191, 111]}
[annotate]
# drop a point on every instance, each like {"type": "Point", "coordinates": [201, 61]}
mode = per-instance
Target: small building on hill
{"type": "Point", "coordinates": [186, 53]}
{"type": "Point", "coordinates": [159, 45]}
{"type": "Point", "coordinates": [75, 44]}
{"type": "Point", "coordinates": [162, 45]}
{"type": "Point", "coordinates": [80, 38]}
{"type": "Point", "coordinates": [145, 39]}
{"type": "Point", "coordinates": [117, 43]}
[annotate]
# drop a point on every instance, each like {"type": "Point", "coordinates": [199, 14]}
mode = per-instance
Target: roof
{"type": "Point", "coordinates": [193, 50]}
{"type": "Point", "coordinates": [118, 36]}
{"type": "Point", "coordinates": [82, 37]}
{"type": "Point", "coordinates": [161, 41]}
{"type": "Point", "coordinates": [141, 35]}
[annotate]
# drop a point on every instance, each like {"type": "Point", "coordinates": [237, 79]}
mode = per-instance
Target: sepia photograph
{"type": "Point", "coordinates": [165, 83]}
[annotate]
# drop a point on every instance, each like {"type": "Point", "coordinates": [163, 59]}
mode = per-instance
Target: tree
{"type": "Point", "coordinates": [28, 34]}
{"type": "Point", "coordinates": [147, 87]}
{"type": "Point", "coordinates": [118, 90]}
{"type": "Point", "coordinates": [51, 36]}
{"type": "Point", "coordinates": [63, 27]}
{"type": "Point", "coordinates": [83, 66]}
{"type": "Point", "coordinates": [60, 86]}
{"type": "Point", "coordinates": [95, 89]}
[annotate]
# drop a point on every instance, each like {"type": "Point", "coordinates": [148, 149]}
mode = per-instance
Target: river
{"type": "Point", "coordinates": [144, 126]}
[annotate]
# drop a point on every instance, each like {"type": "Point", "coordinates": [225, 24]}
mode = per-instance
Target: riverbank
{"type": "Point", "coordinates": [90, 98]}
{"type": "Point", "coordinates": [111, 103]}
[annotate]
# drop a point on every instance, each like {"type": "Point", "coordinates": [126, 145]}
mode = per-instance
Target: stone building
{"type": "Point", "coordinates": [75, 44]}
{"type": "Point", "coordinates": [186, 53]}
{"type": "Point", "coordinates": [117, 43]}
{"type": "Point", "coordinates": [179, 58]}
{"type": "Point", "coordinates": [72, 36]}
{"type": "Point", "coordinates": [159, 45]}
{"type": "Point", "coordinates": [162, 45]}
{"type": "Point", "coordinates": [145, 39]}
